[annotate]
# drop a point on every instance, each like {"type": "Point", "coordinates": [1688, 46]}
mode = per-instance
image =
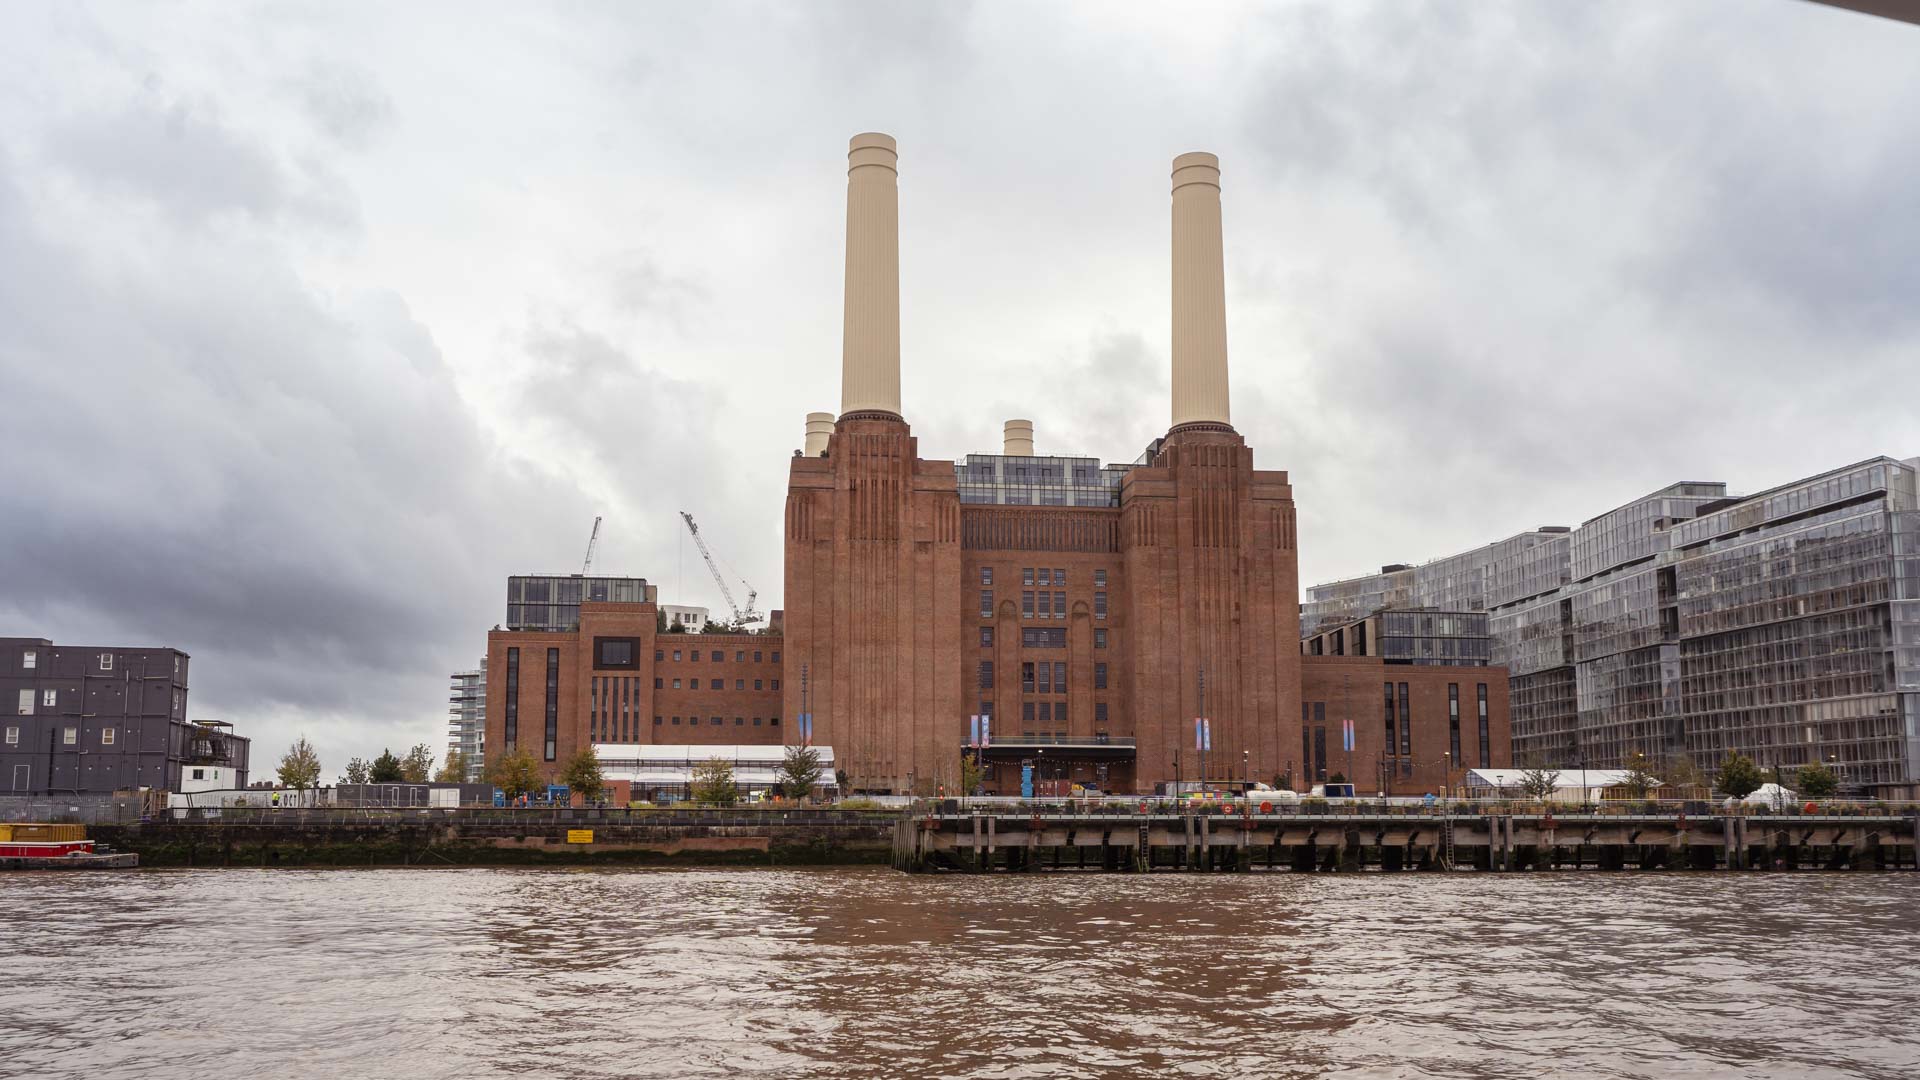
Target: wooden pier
{"type": "Point", "coordinates": [999, 839]}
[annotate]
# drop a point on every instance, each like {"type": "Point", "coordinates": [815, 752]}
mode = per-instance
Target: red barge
{"type": "Point", "coordinates": [56, 847]}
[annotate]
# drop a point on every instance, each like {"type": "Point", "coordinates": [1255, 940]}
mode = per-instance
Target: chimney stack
{"type": "Point", "coordinates": [819, 426]}
{"type": "Point", "coordinates": [1019, 438]}
{"type": "Point", "coordinates": [1199, 294]}
{"type": "Point", "coordinates": [870, 341]}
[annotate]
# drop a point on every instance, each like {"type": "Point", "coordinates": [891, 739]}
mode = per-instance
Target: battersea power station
{"type": "Point", "coordinates": [1117, 627]}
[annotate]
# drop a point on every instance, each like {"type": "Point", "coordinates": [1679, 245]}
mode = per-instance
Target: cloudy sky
{"type": "Point", "coordinates": [316, 321]}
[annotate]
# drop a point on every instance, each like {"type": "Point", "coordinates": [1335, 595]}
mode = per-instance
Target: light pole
{"type": "Point", "coordinates": [1205, 735]}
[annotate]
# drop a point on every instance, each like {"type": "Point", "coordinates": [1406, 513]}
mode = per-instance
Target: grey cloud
{"type": "Point", "coordinates": [347, 104]}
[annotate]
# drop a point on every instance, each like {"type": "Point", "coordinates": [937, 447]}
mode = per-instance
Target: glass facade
{"type": "Point", "coordinates": [1783, 625]}
{"type": "Point", "coordinates": [552, 601]}
{"type": "Point", "coordinates": [1038, 481]}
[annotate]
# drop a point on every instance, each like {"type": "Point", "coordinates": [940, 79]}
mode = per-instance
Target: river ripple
{"type": "Point", "coordinates": [866, 973]}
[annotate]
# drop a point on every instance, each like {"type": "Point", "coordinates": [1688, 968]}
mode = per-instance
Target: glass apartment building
{"type": "Point", "coordinates": [467, 718]}
{"type": "Point", "coordinates": [552, 601]}
{"type": "Point", "coordinates": [1783, 625]}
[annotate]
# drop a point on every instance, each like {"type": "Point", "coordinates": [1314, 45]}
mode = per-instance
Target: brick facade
{"type": "Point", "coordinates": [1336, 688]}
{"type": "Point", "coordinates": [615, 675]}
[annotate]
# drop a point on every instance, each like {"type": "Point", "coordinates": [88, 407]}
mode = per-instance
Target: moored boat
{"type": "Point", "coordinates": [56, 847]}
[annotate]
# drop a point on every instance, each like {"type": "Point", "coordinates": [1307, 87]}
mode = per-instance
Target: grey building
{"type": "Point", "coordinates": [467, 718]}
{"type": "Point", "coordinates": [1423, 637]}
{"type": "Point", "coordinates": [1783, 625]}
{"type": "Point", "coordinates": [99, 719]}
{"type": "Point", "coordinates": [552, 601]}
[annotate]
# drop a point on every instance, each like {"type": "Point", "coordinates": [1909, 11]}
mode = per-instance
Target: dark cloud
{"type": "Point", "coordinates": [326, 322]}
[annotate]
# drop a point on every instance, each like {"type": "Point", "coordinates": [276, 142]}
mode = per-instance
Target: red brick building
{"type": "Point", "coordinates": [1091, 613]}
{"type": "Point", "coordinates": [615, 679]}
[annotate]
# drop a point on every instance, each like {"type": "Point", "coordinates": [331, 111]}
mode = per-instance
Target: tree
{"type": "Point", "coordinates": [799, 771]}
{"type": "Point", "coordinates": [659, 622]}
{"type": "Point", "coordinates": [300, 768]}
{"type": "Point", "coordinates": [582, 775]}
{"type": "Point", "coordinates": [1739, 777]}
{"type": "Point", "coordinates": [1539, 781]}
{"type": "Point", "coordinates": [1816, 781]}
{"type": "Point", "coordinates": [386, 768]}
{"type": "Point", "coordinates": [417, 765]}
{"type": "Point", "coordinates": [1682, 772]}
{"type": "Point", "coordinates": [717, 628]}
{"type": "Point", "coordinates": [1337, 778]}
{"type": "Point", "coordinates": [972, 774]}
{"type": "Point", "coordinates": [358, 772]}
{"type": "Point", "coordinates": [453, 770]}
{"type": "Point", "coordinates": [515, 773]}
{"type": "Point", "coordinates": [713, 783]}
{"type": "Point", "coordinates": [1638, 780]}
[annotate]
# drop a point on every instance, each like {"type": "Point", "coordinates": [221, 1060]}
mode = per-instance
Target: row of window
{"type": "Point", "coordinates": [716, 721]}
{"type": "Point", "coordinates": [717, 655]}
{"type": "Point", "coordinates": [1046, 676]}
{"type": "Point", "coordinates": [49, 699]}
{"type": "Point", "coordinates": [68, 736]}
{"type": "Point", "coordinates": [1041, 638]}
{"type": "Point", "coordinates": [30, 660]}
{"type": "Point", "coordinates": [1046, 712]}
{"type": "Point", "coordinates": [717, 684]}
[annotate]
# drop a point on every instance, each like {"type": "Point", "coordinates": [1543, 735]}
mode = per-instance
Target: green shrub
{"type": "Point", "coordinates": [858, 802]}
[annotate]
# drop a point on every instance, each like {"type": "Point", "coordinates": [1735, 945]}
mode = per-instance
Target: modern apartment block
{"type": "Point", "coordinates": [467, 719]}
{"type": "Point", "coordinates": [95, 719]}
{"type": "Point", "coordinates": [552, 601]}
{"type": "Point", "coordinates": [1783, 625]}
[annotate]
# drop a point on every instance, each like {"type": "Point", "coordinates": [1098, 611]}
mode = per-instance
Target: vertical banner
{"type": "Point", "coordinates": [973, 731]}
{"type": "Point", "coordinates": [986, 730]}
{"type": "Point", "coordinates": [1206, 727]}
{"type": "Point", "coordinates": [1346, 735]}
{"type": "Point", "coordinates": [1199, 739]}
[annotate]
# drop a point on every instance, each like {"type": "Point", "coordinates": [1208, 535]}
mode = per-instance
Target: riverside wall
{"type": "Point", "coordinates": [290, 838]}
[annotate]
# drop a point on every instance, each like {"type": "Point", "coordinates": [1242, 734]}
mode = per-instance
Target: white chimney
{"type": "Point", "coordinates": [870, 339]}
{"type": "Point", "coordinates": [1019, 438]}
{"type": "Point", "coordinates": [1199, 294]}
{"type": "Point", "coordinates": [819, 427]}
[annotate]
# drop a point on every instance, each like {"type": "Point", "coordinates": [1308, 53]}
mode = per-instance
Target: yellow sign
{"type": "Point", "coordinates": [579, 836]}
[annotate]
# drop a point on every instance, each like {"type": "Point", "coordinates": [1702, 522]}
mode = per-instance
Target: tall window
{"type": "Point", "coordinates": [1406, 724]}
{"type": "Point", "coordinates": [1393, 734]}
{"type": "Point", "coordinates": [1046, 712]}
{"type": "Point", "coordinates": [1453, 724]}
{"type": "Point", "coordinates": [1100, 578]}
{"type": "Point", "coordinates": [1059, 575]}
{"type": "Point", "coordinates": [1059, 605]}
{"type": "Point", "coordinates": [553, 703]}
{"type": "Point", "coordinates": [1486, 738]}
{"type": "Point", "coordinates": [29, 659]}
{"type": "Point", "coordinates": [1319, 740]}
{"type": "Point", "coordinates": [106, 661]}
{"type": "Point", "coordinates": [1099, 676]}
{"type": "Point", "coordinates": [512, 723]}
{"type": "Point", "coordinates": [986, 575]}
{"type": "Point", "coordinates": [1099, 712]}
{"type": "Point", "coordinates": [986, 674]}
{"type": "Point", "coordinates": [986, 637]}
{"type": "Point", "coordinates": [1026, 678]}
{"type": "Point", "coordinates": [1026, 605]}
{"type": "Point", "coordinates": [1100, 605]}
{"type": "Point", "coordinates": [1060, 677]}
{"type": "Point", "coordinates": [1026, 575]}
{"type": "Point", "coordinates": [986, 603]}
{"type": "Point", "coordinates": [1099, 639]}
{"type": "Point", "coordinates": [593, 708]}
{"type": "Point", "coordinates": [1026, 712]}
{"type": "Point", "coordinates": [1046, 678]}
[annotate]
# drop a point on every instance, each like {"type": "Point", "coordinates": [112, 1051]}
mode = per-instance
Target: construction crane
{"type": "Point", "coordinates": [592, 542]}
{"type": "Point", "coordinates": [741, 618]}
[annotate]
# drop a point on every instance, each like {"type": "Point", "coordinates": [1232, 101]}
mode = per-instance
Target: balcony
{"type": "Point", "coordinates": [1096, 747]}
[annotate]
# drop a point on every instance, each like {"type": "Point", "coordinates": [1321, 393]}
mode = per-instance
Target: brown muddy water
{"type": "Point", "coordinates": [867, 973]}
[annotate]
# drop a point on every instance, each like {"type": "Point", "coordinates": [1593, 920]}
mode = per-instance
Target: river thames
{"type": "Point", "coordinates": [867, 973]}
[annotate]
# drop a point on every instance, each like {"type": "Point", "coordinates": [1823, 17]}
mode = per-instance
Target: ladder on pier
{"type": "Point", "coordinates": [1446, 843]}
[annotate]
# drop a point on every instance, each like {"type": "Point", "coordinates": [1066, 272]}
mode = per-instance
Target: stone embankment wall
{"type": "Point", "coordinates": [659, 840]}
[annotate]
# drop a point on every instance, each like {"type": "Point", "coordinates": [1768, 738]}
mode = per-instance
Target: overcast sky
{"type": "Point", "coordinates": [317, 321]}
